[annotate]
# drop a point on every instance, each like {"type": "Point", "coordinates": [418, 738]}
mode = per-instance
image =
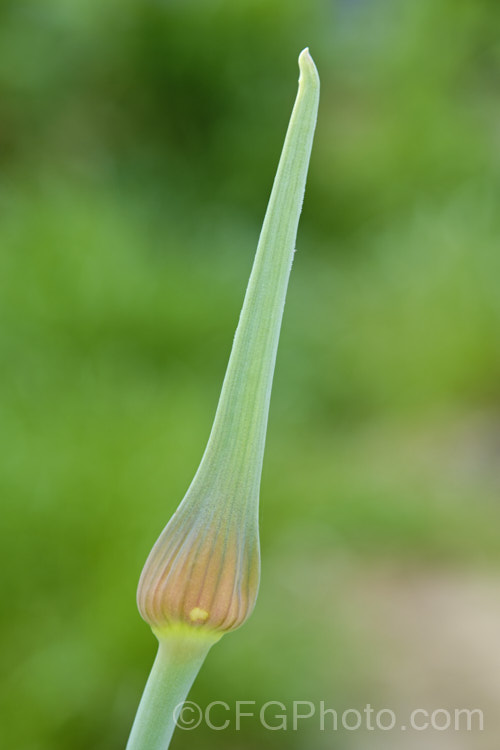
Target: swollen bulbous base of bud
{"type": "Point", "coordinates": [202, 573]}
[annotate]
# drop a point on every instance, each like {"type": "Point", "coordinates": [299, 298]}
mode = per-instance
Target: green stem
{"type": "Point", "coordinates": [235, 448]}
{"type": "Point", "coordinates": [177, 663]}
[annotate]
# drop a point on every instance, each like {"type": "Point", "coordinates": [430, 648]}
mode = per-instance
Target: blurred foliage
{"type": "Point", "coordinates": [138, 143]}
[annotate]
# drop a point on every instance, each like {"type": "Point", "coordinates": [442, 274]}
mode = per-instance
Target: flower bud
{"type": "Point", "coordinates": [203, 571]}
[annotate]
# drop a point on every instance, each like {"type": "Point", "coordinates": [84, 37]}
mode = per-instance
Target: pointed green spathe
{"type": "Point", "coordinates": [202, 576]}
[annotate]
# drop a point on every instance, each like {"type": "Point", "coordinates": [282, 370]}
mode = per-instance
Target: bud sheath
{"type": "Point", "coordinates": [203, 571]}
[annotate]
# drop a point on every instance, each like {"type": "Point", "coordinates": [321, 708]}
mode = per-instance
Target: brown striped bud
{"type": "Point", "coordinates": [204, 569]}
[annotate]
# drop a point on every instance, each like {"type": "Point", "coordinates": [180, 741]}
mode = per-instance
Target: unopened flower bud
{"type": "Point", "coordinates": [203, 571]}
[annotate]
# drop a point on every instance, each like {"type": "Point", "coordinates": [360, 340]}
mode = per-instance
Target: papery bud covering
{"type": "Point", "coordinates": [203, 571]}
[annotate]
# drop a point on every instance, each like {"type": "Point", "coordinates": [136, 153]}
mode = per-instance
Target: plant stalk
{"type": "Point", "coordinates": [177, 663]}
{"type": "Point", "coordinates": [235, 449]}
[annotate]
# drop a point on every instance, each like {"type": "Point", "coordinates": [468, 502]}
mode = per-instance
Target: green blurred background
{"type": "Point", "coordinates": [138, 143]}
